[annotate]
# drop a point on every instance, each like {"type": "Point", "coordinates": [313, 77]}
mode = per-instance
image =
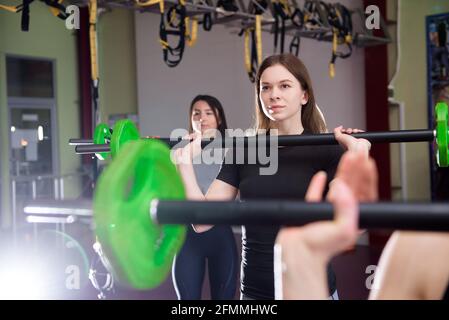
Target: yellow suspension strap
{"type": "Point", "coordinates": [12, 9]}
{"type": "Point", "coordinates": [93, 42]}
{"type": "Point", "coordinates": [253, 59]}
{"type": "Point", "coordinates": [259, 38]}
{"type": "Point", "coordinates": [191, 31]}
{"type": "Point", "coordinates": [248, 65]}
{"type": "Point", "coordinates": [341, 22]}
{"type": "Point", "coordinates": [150, 3]}
{"type": "Point", "coordinates": [334, 54]}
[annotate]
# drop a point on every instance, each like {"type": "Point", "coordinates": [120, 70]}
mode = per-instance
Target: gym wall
{"type": "Point", "coordinates": [215, 65]}
{"type": "Point", "coordinates": [49, 39]}
{"type": "Point", "coordinates": [410, 87]}
{"type": "Point", "coordinates": [118, 79]}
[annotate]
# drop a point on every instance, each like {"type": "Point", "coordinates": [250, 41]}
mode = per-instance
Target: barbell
{"type": "Point", "coordinates": [108, 141]}
{"type": "Point", "coordinates": [140, 214]}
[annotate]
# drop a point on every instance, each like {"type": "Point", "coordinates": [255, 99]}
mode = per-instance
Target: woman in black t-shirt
{"type": "Point", "coordinates": [285, 105]}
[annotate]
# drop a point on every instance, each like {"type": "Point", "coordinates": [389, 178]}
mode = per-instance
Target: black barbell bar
{"type": "Point", "coordinates": [419, 216]}
{"type": "Point", "coordinates": [380, 215]}
{"type": "Point", "coordinates": [287, 140]}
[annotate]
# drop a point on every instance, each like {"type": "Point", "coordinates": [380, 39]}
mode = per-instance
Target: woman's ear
{"type": "Point", "coordinates": [305, 98]}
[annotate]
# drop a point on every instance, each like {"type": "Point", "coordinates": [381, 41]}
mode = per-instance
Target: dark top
{"type": "Point", "coordinates": [296, 167]}
{"type": "Point", "coordinates": [446, 294]}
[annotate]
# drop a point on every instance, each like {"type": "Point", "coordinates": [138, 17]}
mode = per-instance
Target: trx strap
{"type": "Point", "coordinates": [312, 17]}
{"type": "Point", "coordinates": [341, 22]}
{"type": "Point", "coordinates": [92, 6]}
{"type": "Point", "coordinates": [253, 59]}
{"type": "Point", "coordinates": [250, 56]}
{"type": "Point", "coordinates": [282, 13]}
{"type": "Point", "coordinates": [297, 19]}
{"type": "Point", "coordinates": [191, 31]}
{"type": "Point", "coordinates": [25, 22]}
{"type": "Point", "coordinates": [176, 19]}
{"type": "Point", "coordinates": [93, 41]}
{"type": "Point", "coordinates": [295, 45]}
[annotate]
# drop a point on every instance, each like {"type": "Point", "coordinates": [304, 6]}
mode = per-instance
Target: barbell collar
{"type": "Point", "coordinates": [76, 142]}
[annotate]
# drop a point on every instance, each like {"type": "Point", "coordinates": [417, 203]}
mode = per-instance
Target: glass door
{"type": "Point", "coordinates": [33, 153]}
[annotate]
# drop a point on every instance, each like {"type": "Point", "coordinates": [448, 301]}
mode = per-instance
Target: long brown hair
{"type": "Point", "coordinates": [311, 118]}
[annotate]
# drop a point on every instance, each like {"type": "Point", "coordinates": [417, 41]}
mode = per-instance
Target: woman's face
{"type": "Point", "coordinates": [203, 117]}
{"type": "Point", "coordinates": [281, 94]}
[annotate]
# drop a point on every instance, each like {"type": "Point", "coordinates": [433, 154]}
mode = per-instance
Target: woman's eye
{"type": "Point", "coordinates": [264, 88]}
{"type": "Point", "coordinates": [285, 86]}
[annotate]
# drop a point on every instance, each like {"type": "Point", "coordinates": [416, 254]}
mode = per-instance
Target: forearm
{"type": "Point", "coordinates": [193, 191]}
{"type": "Point", "coordinates": [306, 282]}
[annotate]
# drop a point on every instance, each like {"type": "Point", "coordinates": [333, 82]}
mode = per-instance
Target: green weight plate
{"type": "Point", "coordinates": [140, 251]}
{"type": "Point", "coordinates": [102, 135]}
{"type": "Point", "coordinates": [441, 110]}
{"type": "Point", "coordinates": [124, 131]}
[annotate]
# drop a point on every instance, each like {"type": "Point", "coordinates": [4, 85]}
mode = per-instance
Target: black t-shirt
{"type": "Point", "coordinates": [446, 294]}
{"type": "Point", "coordinates": [296, 167]}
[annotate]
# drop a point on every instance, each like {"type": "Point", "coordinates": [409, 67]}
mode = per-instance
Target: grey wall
{"type": "Point", "coordinates": [216, 66]}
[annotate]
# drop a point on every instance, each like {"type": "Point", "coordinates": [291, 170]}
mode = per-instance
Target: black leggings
{"type": "Point", "coordinates": [216, 246]}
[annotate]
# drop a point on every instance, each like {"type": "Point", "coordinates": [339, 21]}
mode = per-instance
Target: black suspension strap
{"type": "Point", "coordinates": [341, 22]}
